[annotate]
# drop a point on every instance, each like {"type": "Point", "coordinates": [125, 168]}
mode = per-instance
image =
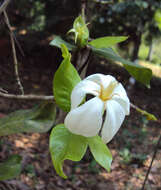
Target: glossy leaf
{"type": "Point", "coordinates": [10, 168]}
{"type": "Point", "coordinates": [108, 41]}
{"type": "Point", "coordinates": [100, 152]}
{"type": "Point", "coordinates": [65, 145]}
{"type": "Point", "coordinates": [65, 52]}
{"type": "Point", "coordinates": [65, 78]}
{"type": "Point", "coordinates": [140, 73]}
{"type": "Point", "coordinates": [39, 119]}
{"type": "Point", "coordinates": [58, 41]}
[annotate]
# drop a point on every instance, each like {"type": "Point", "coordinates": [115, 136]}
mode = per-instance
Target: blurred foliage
{"type": "Point", "coordinates": [30, 170]}
{"type": "Point", "coordinates": [93, 167]}
{"type": "Point", "coordinates": [125, 156]}
{"type": "Point", "coordinates": [157, 18]}
{"type": "Point", "coordinates": [38, 119]}
{"type": "Point", "coordinates": [107, 17]}
{"type": "Point", "coordinates": [42, 15]}
{"type": "Point", "coordinates": [10, 168]}
{"type": "Point", "coordinates": [132, 158]}
{"type": "Point", "coordinates": [127, 18]}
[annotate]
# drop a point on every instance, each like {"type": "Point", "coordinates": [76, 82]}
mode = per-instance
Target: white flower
{"type": "Point", "coordinates": [86, 118]}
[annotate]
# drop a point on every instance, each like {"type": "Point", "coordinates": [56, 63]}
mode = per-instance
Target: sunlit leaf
{"type": "Point", "coordinates": [65, 52]}
{"type": "Point", "coordinates": [108, 41]}
{"type": "Point", "coordinates": [100, 152]}
{"type": "Point", "coordinates": [65, 145]}
{"type": "Point", "coordinates": [157, 18]}
{"type": "Point", "coordinates": [140, 73]}
{"type": "Point", "coordinates": [65, 78]}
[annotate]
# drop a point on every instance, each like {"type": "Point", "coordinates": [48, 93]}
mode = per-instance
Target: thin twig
{"type": "Point", "coordinates": [14, 54]}
{"type": "Point", "coordinates": [148, 115]}
{"type": "Point", "coordinates": [18, 44]}
{"type": "Point", "coordinates": [83, 8]}
{"type": "Point", "coordinates": [26, 97]}
{"type": "Point", "coordinates": [154, 155]}
{"type": "Point", "coordinates": [82, 67]}
{"type": "Point", "coordinates": [135, 107]}
{"type": "Point", "coordinates": [84, 60]}
{"type": "Point", "coordinates": [2, 90]}
{"type": "Point", "coordinates": [4, 6]}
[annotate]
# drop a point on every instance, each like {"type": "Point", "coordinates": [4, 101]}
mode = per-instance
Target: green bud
{"type": "Point", "coordinates": [81, 32]}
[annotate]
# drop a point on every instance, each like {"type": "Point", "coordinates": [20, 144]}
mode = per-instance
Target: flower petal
{"type": "Point", "coordinates": [101, 79]}
{"type": "Point", "coordinates": [115, 115]}
{"type": "Point", "coordinates": [124, 103]}
{"type": "Point", "coordinates": [120, 90]}
{"type": "Point", "coordinates": [119, 95]}
{"type": "Point", "coordinates": [86, 120]}
{"type": "Point", "coordinates": [81, 89]}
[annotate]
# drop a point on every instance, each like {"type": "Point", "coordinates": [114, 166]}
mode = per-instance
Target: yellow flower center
{"type": "Point", "coordinates": [106, 93]}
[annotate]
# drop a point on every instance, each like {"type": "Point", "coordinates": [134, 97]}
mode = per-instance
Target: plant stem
{"type": "Point", "coordinates": [26, 97]}
{"type": "Point", "coordinates": [154, 155]}
{"type": "Point", "coordinates": [4, 6]}
{"type": "Point", "coordinates": [14, 54]}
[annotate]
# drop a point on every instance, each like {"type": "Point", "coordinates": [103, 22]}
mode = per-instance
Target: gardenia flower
{"type": "Point", "coordinates": [86, 118]}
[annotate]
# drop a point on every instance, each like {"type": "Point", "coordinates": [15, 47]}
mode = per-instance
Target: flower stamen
{"type": "Point", "coordinates": [106, 93]}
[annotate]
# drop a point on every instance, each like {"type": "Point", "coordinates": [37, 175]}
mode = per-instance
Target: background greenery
{"type": "Point", "coordinates": [133, 18]}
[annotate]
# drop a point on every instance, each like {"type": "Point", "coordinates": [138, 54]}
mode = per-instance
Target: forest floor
{"type": "Point", "coordinates": [132, 148]}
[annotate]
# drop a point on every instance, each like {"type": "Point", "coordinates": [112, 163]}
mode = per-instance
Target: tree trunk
{"type": "Point", "coordinates": [150, 53]}
{"type": "Point", "coordinates": [137, 43]}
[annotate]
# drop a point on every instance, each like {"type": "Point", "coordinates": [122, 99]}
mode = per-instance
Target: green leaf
{"type": "Point", "coordinates": [108, 41]}
{"type": "Point", "coordinates": [157, 18]}
{"type": "Point", "coordinates": [65, 52]}
{"type": "Point", "coordinates": [58, 41]}
{"type": "Point", "coordinates": [65, 145]}
{"type": "Point", "coordinates": [39, 119]}
{"type": "Point", "coordinates": [140, 73]}
{"type": "Point", "coordinates": [100, 152]}
{"type": "Point", "coordinates": [65, 79]}
{"type": "Point", "coordinates": [81, 31]}
{"type": "Point", "coordinates": [11, 168]}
